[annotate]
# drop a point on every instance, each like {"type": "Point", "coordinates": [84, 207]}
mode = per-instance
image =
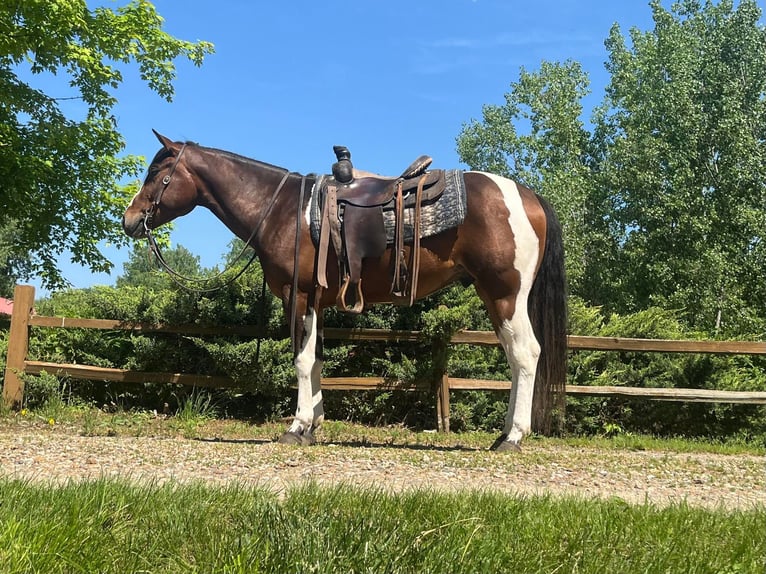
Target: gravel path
{"type": "Point", "coordinates": [702, 480]}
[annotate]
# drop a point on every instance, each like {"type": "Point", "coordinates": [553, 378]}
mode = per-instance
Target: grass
{"type": "Point", "coordinates": [673, 444]}
{"type": "Point", "coordinates": [118, 526]}
{"type": "Point", "coordinates": [107, 526]}
{"type": "Point", "coordinates": [195, 410]}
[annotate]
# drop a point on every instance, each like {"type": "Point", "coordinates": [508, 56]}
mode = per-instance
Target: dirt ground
{"type": "Point", "coordinates": [660, 478]}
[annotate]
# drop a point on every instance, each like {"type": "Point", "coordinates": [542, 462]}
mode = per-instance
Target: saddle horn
{"type": "Point", "coordinates": [343, 169]}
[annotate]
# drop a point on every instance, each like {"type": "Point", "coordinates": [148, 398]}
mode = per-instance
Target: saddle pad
{"type": "Point", "coordinates": [446, 212]}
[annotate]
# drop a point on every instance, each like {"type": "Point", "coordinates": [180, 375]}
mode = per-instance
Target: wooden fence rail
{"type": "Point", "coordinates": [23, 319]}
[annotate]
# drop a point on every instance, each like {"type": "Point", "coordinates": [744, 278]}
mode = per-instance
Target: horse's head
{"type": "Point", "coordinates": [169, 191]}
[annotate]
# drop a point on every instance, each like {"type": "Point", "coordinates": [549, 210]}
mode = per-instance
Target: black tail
{"type": "Point", "coordinates": [548, 313]}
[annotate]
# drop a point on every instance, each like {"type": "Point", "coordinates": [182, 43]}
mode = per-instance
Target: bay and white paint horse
{"type": "Point", "coordinates": [509, 245]}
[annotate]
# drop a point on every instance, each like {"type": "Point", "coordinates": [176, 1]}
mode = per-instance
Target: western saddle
{"type": "Point", "coordinates": [352, 217]}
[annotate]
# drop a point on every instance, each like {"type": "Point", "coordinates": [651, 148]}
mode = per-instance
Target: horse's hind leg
{"type": "Point", "coordinates": [308, 367]}
{"type": "Point", "coordinates": [506, 297]}
{"type": "Point", "coordinates": [503, 257]}
{"type": "Point", "coordinates": [522, 351]}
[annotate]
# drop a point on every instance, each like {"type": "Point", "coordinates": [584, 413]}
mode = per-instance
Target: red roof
{"type": "Point", "coordinates": [6, 306]}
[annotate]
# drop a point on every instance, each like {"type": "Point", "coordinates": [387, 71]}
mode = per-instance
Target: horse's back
{"type": "Point", "coordinates": [505, 225]}
{"type": "Point", "coordinates": [493, 195]}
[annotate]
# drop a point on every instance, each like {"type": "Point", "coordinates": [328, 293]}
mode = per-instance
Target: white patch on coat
{"type": "Point", "coordinates": [307, 213]}
{"type": "Point", "coordinates": [135, 197]}
{"type": "Point", "coordinates": [527, 242]}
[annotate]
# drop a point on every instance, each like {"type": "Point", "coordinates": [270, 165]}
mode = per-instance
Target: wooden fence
{"type": "Point", "coordinates": [23, 318]}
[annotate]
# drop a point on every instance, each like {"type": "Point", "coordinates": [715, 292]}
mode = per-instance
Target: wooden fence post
{"type": "Point", "coordinates": [442, 403]}
{"type": "Point", "coordinates": [441, 381]}
{"type": "Point", "coordinates": [18, 345]}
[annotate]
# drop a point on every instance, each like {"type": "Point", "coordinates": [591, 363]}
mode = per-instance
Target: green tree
{"type": "Point", "coordinates": [683, 142]}
{"type": "Point", "coordinates": [15, 264]}
{"type": "Point", "coordinates": [663, 201]}
{"type": "Point", "coordinates": [538, 138]}
{"type": "Point", "coordinates": [61, 175]}
{"type": "Point", "coordinates": [141, 268]}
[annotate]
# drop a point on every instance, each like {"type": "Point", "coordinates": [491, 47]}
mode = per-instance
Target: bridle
{"type": "Point", "coordinates": [183, 280]}
{"type": "Point", "coordinates": [156, 201]}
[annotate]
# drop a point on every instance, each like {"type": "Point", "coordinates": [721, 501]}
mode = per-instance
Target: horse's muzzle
{"type": "Point", "coordinates": [134, 227]}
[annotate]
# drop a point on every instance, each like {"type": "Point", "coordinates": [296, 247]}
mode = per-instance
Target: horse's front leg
{"type": "Point", "coordinates": [308, 366]}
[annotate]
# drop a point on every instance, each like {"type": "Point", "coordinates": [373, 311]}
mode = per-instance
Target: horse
{"type": "Point", "coordinates": [509, 245]}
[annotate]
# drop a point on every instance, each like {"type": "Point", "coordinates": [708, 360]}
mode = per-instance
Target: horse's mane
{"type": "Point", "coordinates": [159, 156]}
{"type": "Point", "coordinates": [239, 159]}
{"type": "Point", "coordinates": [244, 162]}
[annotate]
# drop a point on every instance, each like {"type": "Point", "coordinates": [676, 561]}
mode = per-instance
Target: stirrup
{"type": "Point", "coordinates": [341, 299]}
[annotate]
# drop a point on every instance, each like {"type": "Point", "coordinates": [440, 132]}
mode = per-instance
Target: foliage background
{"type": "Point", "coordinates": [266, 375]}
{"type": "Point", "coordinates": [62, 172]}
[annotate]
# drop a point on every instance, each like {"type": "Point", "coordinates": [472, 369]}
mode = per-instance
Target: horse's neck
{"type": "Point", "coordinates": [239, 193]}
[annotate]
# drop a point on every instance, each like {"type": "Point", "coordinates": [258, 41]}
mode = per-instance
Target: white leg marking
{"type": "Point", "coordinates": [516, 334]}
{"type": "Point", "coordinates": [305, 367]}
{"type": "Point", "coordinates": [522, 350]}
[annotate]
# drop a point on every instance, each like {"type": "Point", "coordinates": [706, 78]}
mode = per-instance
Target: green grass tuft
{"type": "Point", "coordinates": [114, 526]}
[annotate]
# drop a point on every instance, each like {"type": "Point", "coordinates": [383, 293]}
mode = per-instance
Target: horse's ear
{"type": "Point", "coordinates": [166, 142]}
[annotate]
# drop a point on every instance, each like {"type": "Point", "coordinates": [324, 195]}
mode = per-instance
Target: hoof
{"type": "Point", "coordinates": [305, 438]}
{"type": "Point", "coordinates": [503, 445]}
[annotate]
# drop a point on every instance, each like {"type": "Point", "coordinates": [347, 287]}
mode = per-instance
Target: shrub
{"type": "Point", "coordinates": [265, 372]}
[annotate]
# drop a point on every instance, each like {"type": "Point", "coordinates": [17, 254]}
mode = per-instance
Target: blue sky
{"type": "Point", "coordinates": [391, 80]}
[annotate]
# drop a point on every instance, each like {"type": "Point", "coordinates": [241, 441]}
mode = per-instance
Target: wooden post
{"type": "Point", "coordinates": [439, 425]}
{"type": "Point", "coordinates": [18, 345]}
{"type": "Point", "coordinates": [442, 405]}
{"type": "Point", "coordinates": [441, 382]}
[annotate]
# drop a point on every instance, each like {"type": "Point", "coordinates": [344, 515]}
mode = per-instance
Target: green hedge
{"type": "Point", "coordinates": [266, 372]}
